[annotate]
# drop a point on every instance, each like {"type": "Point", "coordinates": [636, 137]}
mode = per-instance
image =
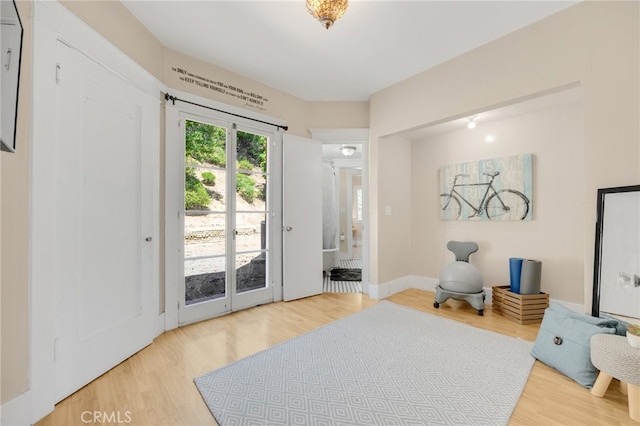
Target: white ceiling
{"type": "Point", "coordinates": [374, 45]}
{"type": "Point", "coordinates": [566, 96]}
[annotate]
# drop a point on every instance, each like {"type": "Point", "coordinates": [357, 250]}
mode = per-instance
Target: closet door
{"type": "Point", "coordinates": [106, 282]}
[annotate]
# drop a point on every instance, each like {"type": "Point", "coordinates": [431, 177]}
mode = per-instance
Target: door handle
{"type": "Point", "coordinates": [289, 228]}
{"type": "Point", "coordinates": [148, 239]}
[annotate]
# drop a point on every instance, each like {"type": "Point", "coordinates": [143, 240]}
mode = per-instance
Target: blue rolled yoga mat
{"type": "Point", "coordinates": [515, 271]}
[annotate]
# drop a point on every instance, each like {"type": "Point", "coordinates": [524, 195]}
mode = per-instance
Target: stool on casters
{"type": "Point", "coordinates": [460, 280]}
{"type": "Point", "coordinates": [616, 358]}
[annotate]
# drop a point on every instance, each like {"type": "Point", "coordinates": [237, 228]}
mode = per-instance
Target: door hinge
{"type": "Point", "coordinates": [7, 64]}
{"type": "Point", "coordinates": [58, 73]}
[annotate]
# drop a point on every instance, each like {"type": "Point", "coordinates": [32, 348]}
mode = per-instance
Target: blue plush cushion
{"type": "Point", "coordinates": [564, 342]}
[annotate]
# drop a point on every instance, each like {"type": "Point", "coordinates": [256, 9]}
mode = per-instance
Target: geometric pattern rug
{"type": "Point", "coordinates": [385, 365]}
{"type": "Point", "coordinates": [330, 286]}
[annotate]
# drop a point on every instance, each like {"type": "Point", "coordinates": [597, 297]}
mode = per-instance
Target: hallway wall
{"type": "Point", "coordinates": [114, 22]}
{"type": "Point", "coordinates": [554, 236]}
{"type": "Point", "coordinates": [594, 44]}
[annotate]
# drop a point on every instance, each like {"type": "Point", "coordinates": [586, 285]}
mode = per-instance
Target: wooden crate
{"type": "Point", "coordinates": [524, 308]}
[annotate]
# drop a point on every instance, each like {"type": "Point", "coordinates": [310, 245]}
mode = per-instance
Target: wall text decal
{"type": "Point", "coordinates": [252, 100]}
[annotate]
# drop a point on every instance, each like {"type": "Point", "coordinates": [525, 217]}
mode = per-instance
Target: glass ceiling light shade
{"type": "Point", "coordinates": [347, 150]}
{"type": "Point", "coordinates": [472, 122]}
{"type": "Point", "coordinates": [327, 11]}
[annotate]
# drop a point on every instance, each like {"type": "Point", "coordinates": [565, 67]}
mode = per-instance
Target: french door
{"type": "Point", "coordinates": [224, 253]}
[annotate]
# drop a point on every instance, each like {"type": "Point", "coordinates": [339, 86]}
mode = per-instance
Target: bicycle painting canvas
{"type": "Point", "coordinates": [493, 189]}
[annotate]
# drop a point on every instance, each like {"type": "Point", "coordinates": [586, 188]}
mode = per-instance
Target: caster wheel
{"type": "Point", "coordinates": [481, 312]}
{"type": "Point", "coordinates": [436, 305]}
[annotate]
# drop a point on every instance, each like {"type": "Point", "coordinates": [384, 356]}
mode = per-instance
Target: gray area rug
{"type": "Point", "coordinates": [345, 274]}
{"type": "Point", "coordinates": [385, 365]}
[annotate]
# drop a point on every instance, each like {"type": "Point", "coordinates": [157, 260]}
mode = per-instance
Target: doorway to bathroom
{"type": "Point", "coordinates": [344, 211]}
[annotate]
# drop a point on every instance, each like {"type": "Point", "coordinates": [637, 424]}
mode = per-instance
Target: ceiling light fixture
{"type": "Point", "coordinates": [327, 11]}
{"type": "Point", "coordinates": [472, 122]}
{"type": "Point", "coordinates": [347, 150]}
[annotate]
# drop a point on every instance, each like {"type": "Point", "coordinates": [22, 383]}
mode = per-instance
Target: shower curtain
{"type": "Point", "coordinates": [329, 208]}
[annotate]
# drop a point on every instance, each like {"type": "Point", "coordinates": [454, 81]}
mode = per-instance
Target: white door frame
{"type": "Point", "coordinates": [53, 22]}
{"type": "Point", "coordinates": [349, 213]}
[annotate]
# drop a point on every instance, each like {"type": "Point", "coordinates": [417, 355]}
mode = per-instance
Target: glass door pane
{"type": "Point", "coordinates": [226, 219]}
{"type": "Point", "coordinates": [205, 212]}
{"type": "Point", "coordinates": [251, 248]}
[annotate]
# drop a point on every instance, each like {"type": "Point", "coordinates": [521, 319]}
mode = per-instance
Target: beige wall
{"type": "Point", "coordinates": [134, 40]}
{"type": "Point", "coordinates": [394, 190]}
{"type": "Point", "coordinates": [595, 44]}
{"type": "Point", "coordinates": [300, 115]}
{"type": "Point", "coordinates": [14, 278]}
{"type": "Point", "coordinates": [113, 21]}
{"type": "Point", "coordinates": [338, 115]}
{"type": "Point", "coordinates": [554, 137]}
{"type": "Point", "coordinates": [276, 104]}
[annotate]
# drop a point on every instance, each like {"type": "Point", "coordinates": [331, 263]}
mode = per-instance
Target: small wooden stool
{"type": "Point", "coordinates": [615, 357]}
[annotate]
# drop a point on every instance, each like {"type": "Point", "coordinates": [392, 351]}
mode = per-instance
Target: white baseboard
{"type": "Point", "coordinates": [381, 291]}
{"type": "Point", "coordinates": [384, 290]}
{"type": "Point", "coordinates": [159, 325]}
{"type": "Point", "coordinates": [20, 412]}
{"type": "Point", "coordinates": [576, 307]}
{"type": "Point", "coordinates": [17, 412]}
{"type": "Point", "coordinates": [424, 283]}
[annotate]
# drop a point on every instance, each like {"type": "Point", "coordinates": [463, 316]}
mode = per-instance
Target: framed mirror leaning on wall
{"type": "Point", "coordinates": [11, 55]}
{"type": "Point", "coordinates": [616, 277]}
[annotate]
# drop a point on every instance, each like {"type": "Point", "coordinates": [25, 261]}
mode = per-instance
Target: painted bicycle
{"type": "Point", "coordinates": [505, 204]}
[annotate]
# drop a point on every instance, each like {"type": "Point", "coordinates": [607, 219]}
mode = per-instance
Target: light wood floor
{"type": "Point", "coordinates": [155, 386]}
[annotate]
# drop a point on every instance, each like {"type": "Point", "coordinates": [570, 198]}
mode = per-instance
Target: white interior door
{"type": "Point", "coordinates": [302, 217]}
{"type": "Point", "coordinates": [106, 263]}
